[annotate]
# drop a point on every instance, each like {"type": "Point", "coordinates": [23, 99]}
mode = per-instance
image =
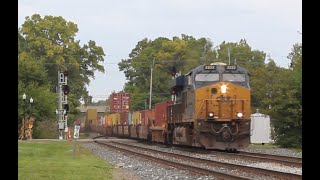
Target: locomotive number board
{"type": "Point", "coordinates": [209, 67]}
{"type": "Point", "coordinates": [231, 67]}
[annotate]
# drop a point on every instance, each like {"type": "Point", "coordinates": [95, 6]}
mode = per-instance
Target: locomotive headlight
{"type": "Point", "coordinates": [210, 114]}
{"type": "Point", "coordinates": [223, 89]}
{"type": "Point", "coordinates": [239, 114]}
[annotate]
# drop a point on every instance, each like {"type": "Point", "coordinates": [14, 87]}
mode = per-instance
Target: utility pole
{"type": "Point", "coordinates": [62, 99]}
{"type": "Point", "coordinates": [203, 55]}
{"type": "Point", "coordinates": [229, 54]}
{"type": "Point", "coordinates": [151, 84]}
{"type": "Point", "coordinates": [145, 104]}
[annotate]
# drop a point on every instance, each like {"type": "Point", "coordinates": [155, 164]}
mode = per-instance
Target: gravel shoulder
{"type": "Point", "coordinates": [122, 174]}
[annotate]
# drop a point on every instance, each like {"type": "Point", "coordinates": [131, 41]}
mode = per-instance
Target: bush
{"type": "Point", "coordinates": [291, 139]}
{"type": "Point", "coordinates": [45, 130]}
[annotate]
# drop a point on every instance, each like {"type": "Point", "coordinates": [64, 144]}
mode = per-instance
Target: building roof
{"type": "Point", "coordinates": [100, 109]}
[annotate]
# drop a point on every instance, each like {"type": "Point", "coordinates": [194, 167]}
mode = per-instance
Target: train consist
{"type": "Point", "coordinates": [210, 109]}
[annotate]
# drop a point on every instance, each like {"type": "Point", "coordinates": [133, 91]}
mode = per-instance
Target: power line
{"type": "Point", "coordinates": [107, 96]}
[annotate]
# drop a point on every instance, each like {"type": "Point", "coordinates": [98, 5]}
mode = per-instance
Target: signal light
{"type": "Point", "coordinates": [66, 90]}
{"type": "Point", "coordinates": [173, 91]}
{"type": "Point", "coordinates": [65, 73]}
{"type": "Point", "coordinates": [173, 71]}
{"type": "Point", "coordinates": [66, 107]}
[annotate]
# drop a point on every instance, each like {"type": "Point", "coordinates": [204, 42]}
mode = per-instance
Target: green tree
{"type": "Point", "coordinates": [286, 111]}
{"type": "Point", "coordinates": [43, 106]}
{"type": "Point", "coordinates": [240, 53]}
{"type": "Point", "coordinates": [253, 60]}
{"type": "Point", "coordinates": [183, 53]}
{"type": "Point", "coordinates": [48, 45]}
{"type": "Point", "coordinates": [51, 42]}
{"type": "Point", "coordinates": [265, 85]}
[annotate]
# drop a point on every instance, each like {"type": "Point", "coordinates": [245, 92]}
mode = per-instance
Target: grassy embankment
{"type": "Point", "coordinates": [54, 160]}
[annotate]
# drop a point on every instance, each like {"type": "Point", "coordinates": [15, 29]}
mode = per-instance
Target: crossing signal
{"type": "Point", "coordinates": [66, 90]}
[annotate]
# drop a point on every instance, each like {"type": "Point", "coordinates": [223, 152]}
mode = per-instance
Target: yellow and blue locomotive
{"type": "Point", "coordinates": [211, 108]}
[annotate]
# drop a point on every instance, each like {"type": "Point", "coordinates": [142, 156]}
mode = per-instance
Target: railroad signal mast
{"type": "Point", "coordinates": [63, 107]}
{"type": "Point", "coordinates": [173, 90]}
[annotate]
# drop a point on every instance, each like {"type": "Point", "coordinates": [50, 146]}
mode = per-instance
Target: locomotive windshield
{"type": "Point", "coordinates": [234, 77]}
{"type": "Point", "coordinates": [207, 77]}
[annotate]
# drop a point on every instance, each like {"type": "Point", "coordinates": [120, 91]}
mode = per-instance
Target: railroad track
{"type": "Point", "coordinates": [100, 136]}
{"type": "Point", "coordinates": [285, 160]}
{"type": "Point", "coordinates": [170, 163]}
{"type": "Point", "coordinates": [256, 157]}
{"type": "Point", "coordinates": [204, 166]}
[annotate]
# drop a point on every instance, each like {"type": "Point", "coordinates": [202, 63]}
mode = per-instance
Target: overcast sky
{"type": "Point", "coordinates": [268, 25]}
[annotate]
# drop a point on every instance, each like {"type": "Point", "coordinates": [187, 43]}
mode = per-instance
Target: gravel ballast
{"type": "Point", "coordinates": [139, 167]}
{"type": "Point", "coordinates": [143, 169]}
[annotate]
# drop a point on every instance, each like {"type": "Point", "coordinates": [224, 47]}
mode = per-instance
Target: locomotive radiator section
{"type": "Point", "coordinates": [223, 120]}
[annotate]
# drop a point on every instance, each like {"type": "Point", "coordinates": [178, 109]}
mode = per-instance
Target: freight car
{"type": "Point", "coordinates": [210, 109]}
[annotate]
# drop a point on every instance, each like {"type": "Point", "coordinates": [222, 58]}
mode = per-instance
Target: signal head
{"type": "Point", "coordinates": [65, 73]}
{"type": "Point", "coordinates": [66, 90]}
{"type": "Point", "coordinates": [66, 108]}
{"type": "Point", "coordinates": [173, 91]}
{"type": "Point", "coordinates": [173, 71]}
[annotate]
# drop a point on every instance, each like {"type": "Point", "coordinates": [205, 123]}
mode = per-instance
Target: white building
{"type": "Point", "coordinates": [260, 128]}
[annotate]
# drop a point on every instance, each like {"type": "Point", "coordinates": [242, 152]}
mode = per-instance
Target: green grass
{"type": "Point", "coordinates": [265, 146]}
{"type": "Point", "coordinates": [299, 150]}
{"type": "Point", "coordinates": [84, 136]}
{"type": "Point", "coordinates": [53, 160]}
